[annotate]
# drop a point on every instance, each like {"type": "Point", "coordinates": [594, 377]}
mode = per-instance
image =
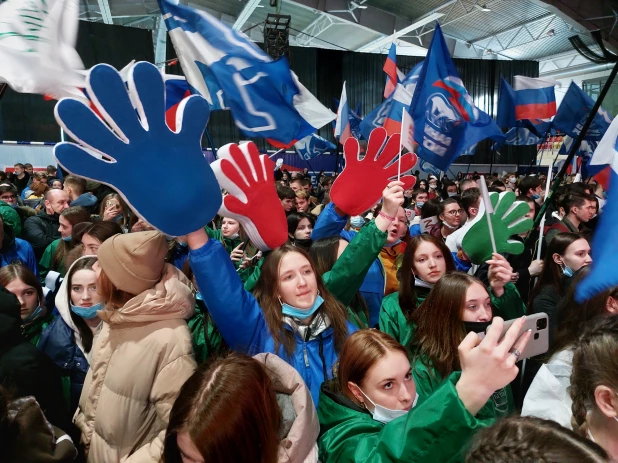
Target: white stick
{"type": "Point", "coordinates": [274, 154]}
{"type": "Point", "coordinates": [403, 116]}
{"type": "Point", "coordinates": [542, 224]}
{"type": "Point", "coordinates": [488, 211]}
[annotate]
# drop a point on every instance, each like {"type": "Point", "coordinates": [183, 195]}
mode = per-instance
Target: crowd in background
{"type": "Point", "coordinates": [356, 341]}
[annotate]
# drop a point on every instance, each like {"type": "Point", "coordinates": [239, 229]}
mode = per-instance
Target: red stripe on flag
{"type": "Point", "coordinates": [535, 111]}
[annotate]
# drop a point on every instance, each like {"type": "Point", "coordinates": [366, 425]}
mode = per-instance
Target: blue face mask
{"type": "Point", "coordinates": [87, 313]}
{"type": "Point", "coordinates": [198, 296]}
{"type": "Point", "coordinates": [301, 314]}
{"type": "Point", "coordinates": [536, 196]}
{"type": "Point", "coordinates": [33, 315]}
{"type": "Point", "coordinates": [450, 195]}
{"type": "Point", "coordinates": [567, 271]}
{"type": "Point", "coordinates": [14, 206]}
{"type": "Point", "coordinates": [420, 204]}
{"type": "Point", "coordinates": [67, 239]}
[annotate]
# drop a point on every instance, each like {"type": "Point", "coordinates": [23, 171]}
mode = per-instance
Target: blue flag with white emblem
{"type": "Point", "coordinates": [312, 145]}
{"type": "Point", "coordinates": [266, 99]}
{"type": "Point", "coordinates": [446, 121]}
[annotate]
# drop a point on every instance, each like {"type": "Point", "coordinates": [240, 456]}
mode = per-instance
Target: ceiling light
{"type": "Point", "coordinates": [551, 33]}
{"type": "Point", "coordinates": [357, 5]}
{"type": "Point", "coordinates": [482, 7]}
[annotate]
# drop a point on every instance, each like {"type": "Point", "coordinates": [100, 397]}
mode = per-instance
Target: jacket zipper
{"type": "Point", "coordinates": [305, 355]}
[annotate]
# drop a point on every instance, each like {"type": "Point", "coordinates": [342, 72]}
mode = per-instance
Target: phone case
{"type": "Point", "coordinates": [539, 340]}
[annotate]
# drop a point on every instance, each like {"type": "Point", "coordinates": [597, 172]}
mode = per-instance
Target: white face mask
{"type": "Point", "coordinates": [386, 415]}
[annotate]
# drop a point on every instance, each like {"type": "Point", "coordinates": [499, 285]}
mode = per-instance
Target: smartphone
{"type": "Point", "coordinates": [539, 341]}
{"type": "Point", "coordinates": [244, 244]}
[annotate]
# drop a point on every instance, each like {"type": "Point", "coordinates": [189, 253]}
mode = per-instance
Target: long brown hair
{"type": "Point", "coordinates": [523, 439]}
{"type": "Point", "coordinates": [323, 252]}
{"type": "Point", "coordinates": [19, 271]}
{"type": "Point", "coordinates": [230, 412]}
{"type": "Point", "coordinates": [407, 287]}
{"type": "Point", "coordinates": [361, 351]}
{"type": "Point", "coordinates": [112, 297]}
{"type": "Point", "coordinates": [572, 315]}
{"type": "Point", "coordinates": [440, 329]}
{"type": "Point", "coordinates": [84, 330]}
{"type": "Point", "coordinates": [552, 273]}
{"type": "Point", "coordinates": [267, 294]}
{"type": "Point", "coordinates": [595, 363]}
{"type": "Point", "coordinates": [123, 208]}
{"type": "Point", "coordinates": [73, 215]}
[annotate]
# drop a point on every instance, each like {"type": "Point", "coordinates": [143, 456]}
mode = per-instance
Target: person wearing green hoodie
{"type": "Point", "coordinates": [374, 411]}
{"type": "Point", "coordinates": [458, 304]}
{"type": "Point", "coordinates": [228, 234]}
{"type": "Point", "coordinates": [428, 260]}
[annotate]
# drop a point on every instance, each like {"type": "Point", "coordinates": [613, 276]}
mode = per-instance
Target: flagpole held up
{"type": "Point", "coordinates": [488, 211]}
{"type": "Point", "coordinates": [547, 185]}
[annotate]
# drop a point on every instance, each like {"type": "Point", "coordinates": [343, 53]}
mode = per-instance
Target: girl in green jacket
{"type": "Point", "coordinates": [428, 260]}
{"type": "Point", "coordinates": [458, 304]}
{"type": "Point", "coordinates": [373, 410]}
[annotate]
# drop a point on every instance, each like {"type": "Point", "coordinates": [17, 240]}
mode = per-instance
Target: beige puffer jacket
{"type": "Point", "coordinates": [300, 426]}
{"type": "Point", "coordinates": [141, 358]}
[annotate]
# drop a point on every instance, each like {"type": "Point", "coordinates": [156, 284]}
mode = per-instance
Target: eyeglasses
{"type": "Point", "coordinates": [454, 213]}
{"type": "Point", "coordinates": [4, 198]}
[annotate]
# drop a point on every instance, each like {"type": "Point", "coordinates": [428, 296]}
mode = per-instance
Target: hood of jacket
{"type": "Point", "coordinates": [54, 218]}
{"type": "Point", "coordinates": [171, 298]}
{"type": "Point", "coordinates": [10, 320]}
{"type": "Point", "coordinates": [62, 299]}
{"type": "Point", "coordinates": [300, 427]}
{"type": "Point", "coordinates": [85, 200]}
{"type": "Point", "coordinates": [335, 408]}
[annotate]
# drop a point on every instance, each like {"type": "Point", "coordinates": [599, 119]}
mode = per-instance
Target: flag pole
{"type": "Point", "coordinates": [403, 116]}
{"type": "Point", "coordinates": [210, 142]}
{"type": "Point", "coordinates": [547, 185]}
{"type": "Point", "coordinates": [576, 145]}
{"type": "Point", "coordinates": [540, 150]}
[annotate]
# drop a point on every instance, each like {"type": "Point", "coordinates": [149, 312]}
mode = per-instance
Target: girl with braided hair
{"type": "Point", "coordinates": [519, 439]}
{"type": "Point", "coordinates": [594, 384]}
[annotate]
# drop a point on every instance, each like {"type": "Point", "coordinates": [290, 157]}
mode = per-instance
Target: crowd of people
{"type": "Point", "coordinates": [356, 341]}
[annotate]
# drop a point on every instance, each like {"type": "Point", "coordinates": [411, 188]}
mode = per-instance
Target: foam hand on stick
{"type": "Point", "coordinates": [360, 184]}
{"type": "Point", "coordinates": [248, 176]}
{"type": "Point", "coordinates": [134, 145]}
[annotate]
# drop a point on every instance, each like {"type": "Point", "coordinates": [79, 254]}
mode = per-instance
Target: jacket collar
{"type": "Point", "coordinates": [318, 325]}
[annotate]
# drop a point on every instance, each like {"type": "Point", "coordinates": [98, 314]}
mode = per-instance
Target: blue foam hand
{"type": "Point", "coordinates": [136, 148]}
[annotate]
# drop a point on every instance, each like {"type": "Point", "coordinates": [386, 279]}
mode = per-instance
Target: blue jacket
{"type": "Point", "coordinates": [87, 200]}
{"type": "Point", "coordinates": [241, 322]}
{"type": "Point", "coordinates": [58, 342]}
{"type": "Point", "coordinates": [21, 251]}
{"type": "Point", "coordinates": [330, 223]}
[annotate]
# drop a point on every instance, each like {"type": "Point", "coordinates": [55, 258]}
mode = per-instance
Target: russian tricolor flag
{"type": "Point", "coordinates": [342, 128]}
{"type": "Point", "coordinates": [400, 102]}
{"type": "Point", "coordinates": [393, 74]}
{"type": "Point", "coordinates": [535, 98]}
{"type": "Point", "coordinates": [604, 274]}
{"type": "Point", "coordinates": [176, 89]}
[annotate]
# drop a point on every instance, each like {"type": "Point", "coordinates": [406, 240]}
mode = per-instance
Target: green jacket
{"type": "Point", "coordinates": [46, 260]}
{"type": "Point", "coordinates": [394, 322]}
{"type": "Point", "coordinates": [250, 275]}
{"type": "Point", "coordinates": [206, 339]}
{"type": "Point", "coordinates": [436, 430]}
{"type": "Point", "coordinates": [32, 331]}
{"type": "Point", "coordinates": [229, 244]}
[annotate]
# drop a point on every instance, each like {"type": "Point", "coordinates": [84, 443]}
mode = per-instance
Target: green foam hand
{"type": "Point", "coordinates": [507, 219]}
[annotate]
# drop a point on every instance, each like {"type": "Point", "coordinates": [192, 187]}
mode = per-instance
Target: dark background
{"type": "Point", "coordinates": [30, 118]}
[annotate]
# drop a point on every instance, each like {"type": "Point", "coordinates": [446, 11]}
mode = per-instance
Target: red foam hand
{"type": "Point", "coordinates": [252, 199]}
{"type": "Point", "coordinates": [361, 183]}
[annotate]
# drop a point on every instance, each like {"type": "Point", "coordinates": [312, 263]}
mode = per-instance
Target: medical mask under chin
{"type": "Point", "coordinates": [420, 204]}
{"type": "Point", "coordinates": [33, 315]}
{"type": "Point", "coordinates": [386, 415]}
{"type": "Point", "coordinates": [14, 206]}
{"type": "Point", "coordinates": [535, 196]}
{"type": "Point", "coordinates": [566, 270]}
{"type": "Point", "coordinates": [67, 239]}
{"type": "Point", "coordinates": [450, 195]}
{"type": "Point", "coordinates": [87, 313]}
{"type": "Point", "coordinates": [450, 227]}
{"type": "Point", "coordinates": [301, 314]}
{"type": "Point", "coordinates": [233, 237]}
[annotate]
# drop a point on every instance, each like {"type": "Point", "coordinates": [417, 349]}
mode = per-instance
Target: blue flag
{"type": "Point", "coordinates": [573, 112]}
{"type": "Point", "coordinates": [265, 97]}
{"type": "Point", "coordinates": [446, 121]}
{"type": "Point", "coordinates": [312, 145]}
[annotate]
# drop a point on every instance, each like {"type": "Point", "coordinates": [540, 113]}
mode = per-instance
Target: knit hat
{"type": "Point", "coordinates": [133, 262]}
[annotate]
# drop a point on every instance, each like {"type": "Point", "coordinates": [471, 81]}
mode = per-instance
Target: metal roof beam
{"type": "Point", "coordinates": [245, 14]}
{"type": "Point", "coordinates": [106, 13]}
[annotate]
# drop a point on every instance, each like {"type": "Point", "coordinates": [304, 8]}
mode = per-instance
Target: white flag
{"type": "Point", "coordinates": [37, 47]}
{"type": "Point", "coordinates": [407, 132]}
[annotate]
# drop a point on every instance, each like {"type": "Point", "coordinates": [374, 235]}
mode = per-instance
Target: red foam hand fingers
{"type": "Point", "coordinates": [248, 177]}
{"type": "Point", "coordinates": [360, 184]}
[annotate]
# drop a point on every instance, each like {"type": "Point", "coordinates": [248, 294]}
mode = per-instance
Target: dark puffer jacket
{"type": "Point", "coordinates": [40, 231]}
{"type": "Point", "coordinates": [26, 371]}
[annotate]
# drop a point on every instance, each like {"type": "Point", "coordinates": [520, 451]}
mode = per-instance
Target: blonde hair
{"type": "Point", "coordinates": [302, 194]}
{"type": "Point", "coordinates": [595, 363]}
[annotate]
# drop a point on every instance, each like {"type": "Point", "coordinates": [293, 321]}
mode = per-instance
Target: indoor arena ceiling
{"type": "Point", "coordinates": [486, 29]}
